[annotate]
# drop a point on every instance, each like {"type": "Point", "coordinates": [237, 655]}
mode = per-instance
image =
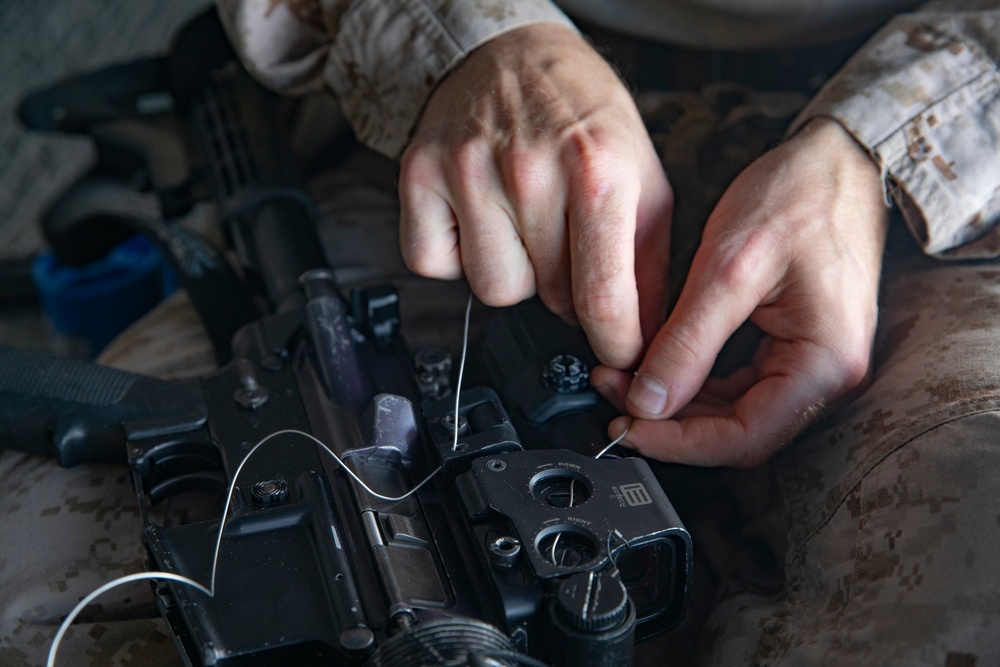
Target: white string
{"type": "Point", "coordinates": [572, 489]}
{"type": "Point", "coordinates": [106, 587]}
{"type": "Point", "coordinates": [613, 442]}
{"type": "Point", "coordinates": [319, 443]}
{"type": "Point", "coordinates": [351, 474]}
{"type": "Point", "coordinates": [612, 552]}
{"type": "Point", "coordinates": [461, 369]}
{"type": "Point", "coordinates": [210, 591]}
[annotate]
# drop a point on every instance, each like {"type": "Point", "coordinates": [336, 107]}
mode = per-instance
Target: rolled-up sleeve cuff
{"type": "Point", "coordinates": [923, 98]}
{"type": "Point", "coordinates": [389, 56]}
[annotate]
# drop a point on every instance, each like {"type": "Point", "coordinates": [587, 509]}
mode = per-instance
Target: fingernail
{"type": "Point", "coordinates": [647, 394]}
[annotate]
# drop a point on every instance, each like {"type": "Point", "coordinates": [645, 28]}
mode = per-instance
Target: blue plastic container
{"type": "Point", "coordinates": [97, 301]}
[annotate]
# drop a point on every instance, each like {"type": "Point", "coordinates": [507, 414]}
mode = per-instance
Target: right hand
{"type": "Point", "coordinates": [794, 246]}
{"type": "Point", "coordinates": [531, 170]}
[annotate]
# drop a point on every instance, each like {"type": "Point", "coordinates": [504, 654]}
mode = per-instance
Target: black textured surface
{"type": "Point", "coordinates": [46, 376]}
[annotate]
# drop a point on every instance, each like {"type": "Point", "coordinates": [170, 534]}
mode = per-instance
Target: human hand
{"type": "Point", "coordinates": [531, 170]}
{"type": "Point", "coordinates": [795, 246]}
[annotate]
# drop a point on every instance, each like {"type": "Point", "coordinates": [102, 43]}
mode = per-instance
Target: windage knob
{"type": "Point", "coordinates": [592, 601]}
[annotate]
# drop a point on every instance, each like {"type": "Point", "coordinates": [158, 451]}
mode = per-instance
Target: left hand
{"type": "Point", "coordinates": [795, 246]}
{"type": "Point", "coordinates": [531, 170]}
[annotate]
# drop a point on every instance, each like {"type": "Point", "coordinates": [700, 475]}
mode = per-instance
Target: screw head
{"type": "Point", "coordinates": [433, 360]}
{"type": "Point", "coordinates": [250, 394]}
{"type": "Point", "coordinates": [449, 424]}
{"type": "Point", "coordinates": [505, 550]}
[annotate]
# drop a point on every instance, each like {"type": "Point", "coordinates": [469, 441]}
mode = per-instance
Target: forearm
{"type": "Point", "coordinates": [382, 58]}
{"type": "Point", "coordinates": [923, 96]}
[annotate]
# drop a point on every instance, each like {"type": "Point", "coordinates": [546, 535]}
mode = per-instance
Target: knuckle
{"type": "Point", "coordinates": [499, 288]}
{"type": "Point", "coordinates": [470, 161]}
{"type": "Point", "coordinates": [733, 271]}
{"type": "Point", "coordinates": [600, 307]}
{"type": "Point", "coordinates": [849, 353]}
{"type": "Point", "coordinates": [527, 175]}
{"type": "Point", "coordinates": [737, 267]}
{"type": "Point", "coordinates": [416, 168]}
{"type": "Point", "coordinates": [681, 347]}
{"type": "Point", "coordinates": [753, 456]}
{"type": "Point", "coordinates": [422, 262]}
{"type": "Point", "coordinates": [429, 262]}
{"type": "Point", "coordinates": [855, 368]}
{"type": "Point", "coordinates": [595, 165]}
{"type": "Point", "coordinates": [426, 252]}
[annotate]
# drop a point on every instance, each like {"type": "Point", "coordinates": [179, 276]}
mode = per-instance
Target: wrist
{"type": "Point", "coordinates": [848, 158]}
{"type": "Point", "coordinates": [832, 140]}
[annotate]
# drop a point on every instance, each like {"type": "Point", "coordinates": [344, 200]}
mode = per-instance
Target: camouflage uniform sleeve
{"type": "Point", "coordinates": [382, 58]}
{"type": "Point", "coordinates": [923, 97]}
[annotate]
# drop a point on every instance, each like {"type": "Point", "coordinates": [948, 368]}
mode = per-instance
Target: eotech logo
{"type": "Point", "coordinates": [635, 494]}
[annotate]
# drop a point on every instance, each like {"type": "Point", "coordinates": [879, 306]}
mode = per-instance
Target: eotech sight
{"type": "Point", "coordinates": [522, 549]}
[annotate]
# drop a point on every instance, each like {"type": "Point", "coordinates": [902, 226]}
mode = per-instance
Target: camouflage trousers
{"type": "Point", "coordinates": [869, 541]}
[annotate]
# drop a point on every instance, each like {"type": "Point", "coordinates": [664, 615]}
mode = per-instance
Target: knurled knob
{"type": "Point", "coordinates": [592, 601]}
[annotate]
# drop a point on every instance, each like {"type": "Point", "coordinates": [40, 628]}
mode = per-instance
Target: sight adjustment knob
{"type": "Point", "coordinates": [592, 601]}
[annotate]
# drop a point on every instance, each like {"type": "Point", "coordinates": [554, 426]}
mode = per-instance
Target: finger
{"type": "Point", "coordinates": [760, 422]}
{"type": "Point", "coordinates": [717, 298]}
{"type": "Point", "coordinates": [716, 397]}
{"type": "Point", "coordinates": [428, 228]}
{"type": "Point", "coordinates": [536, 189]}
{"type": "Point", "coordinates": [725, 391]}
{"type": "Point", "coordinates": [493, 255]}
{"type": "Point", "coordinates": [612, 384]}
{"type": "Point", "coordinates": [652, 246]}
{"type": "Point", "coordinates": [603, 199]}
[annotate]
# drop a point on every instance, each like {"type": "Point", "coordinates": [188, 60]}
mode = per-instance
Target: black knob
{"type": "Point", "coordinates": [566, 374]}
{"type": "Point", "coordinates": [592, 601]}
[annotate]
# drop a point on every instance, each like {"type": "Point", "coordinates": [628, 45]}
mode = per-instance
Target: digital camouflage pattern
{"type": "Point", "coordinates": [869, 540]}
{"type": "Point", "coordinates": [923, 96]}
{"type": "Point", "coordinates": [66, 532]}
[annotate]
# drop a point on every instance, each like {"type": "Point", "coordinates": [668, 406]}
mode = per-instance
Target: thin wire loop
{"type": "Point", "coordinates": [461, 369]}
{"type": "Point", "coordinates": [138, 576]}
{"type": "Point", "coordinates": [319, 443]}
{"type": "Point", "coordinates": [210, 590]}
{"type": "Point", "coordinates": [613, 442]}
{"type": "Point", "coordinates": [351, 474]}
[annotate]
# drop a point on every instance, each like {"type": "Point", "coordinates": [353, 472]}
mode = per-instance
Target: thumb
{"type": "Point", "coordinates": [678, 361]}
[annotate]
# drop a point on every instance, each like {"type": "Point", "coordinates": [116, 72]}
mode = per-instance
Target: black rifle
{"type": "Point", "coordinates": [524, 547]}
